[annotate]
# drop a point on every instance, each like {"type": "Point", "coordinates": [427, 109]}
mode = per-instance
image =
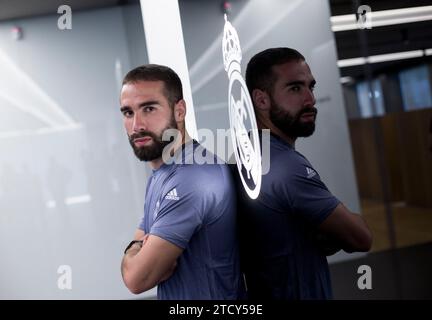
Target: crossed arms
{"type": "Point", "coordinates": [144, 267]}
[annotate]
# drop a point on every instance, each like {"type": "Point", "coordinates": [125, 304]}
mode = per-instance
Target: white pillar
{"type": "Point", "coordinates": [165, 45]}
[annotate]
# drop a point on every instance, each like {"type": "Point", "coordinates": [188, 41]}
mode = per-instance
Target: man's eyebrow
{"type": "Point", "coordinates": [141, 105]}
{"type": "Point", "coordinates": [295, 83]}
{"type": "Point", "coordinates": [148, 103]}
{"type": "Point", "coordinates": [300, 82]}
{"type": "Point", "coordinates": [125, 108]}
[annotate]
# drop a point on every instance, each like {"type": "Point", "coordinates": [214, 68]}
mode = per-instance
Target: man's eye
{"type": "Point", "coordinates": [149, 109]}
{"type": "Point", "coordinates": [295, 88]}
{"type": "Point", "coordinates": [127, 113]}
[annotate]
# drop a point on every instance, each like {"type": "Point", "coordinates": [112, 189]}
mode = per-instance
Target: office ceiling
{"type": "Point", "coordinates": [16, 9]}
{"type": "Point", "coordinates": [380, 40]}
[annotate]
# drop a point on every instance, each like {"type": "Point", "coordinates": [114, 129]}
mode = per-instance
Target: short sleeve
{"type": "Point", "coordinates": [178, 216]}
{"type": "Point", "coordinates": [310, 197]}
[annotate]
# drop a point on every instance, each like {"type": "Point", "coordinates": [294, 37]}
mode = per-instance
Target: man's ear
{"type": "Point", "coordinates": [180, 111]}
{"type": "Point", "coordinates": [261, 100]}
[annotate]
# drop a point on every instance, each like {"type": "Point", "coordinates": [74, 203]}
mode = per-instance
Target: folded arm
{"type": "Point", "coordinates": [349, 229]}
{"type": "Point", "coordinates": [144, 267]}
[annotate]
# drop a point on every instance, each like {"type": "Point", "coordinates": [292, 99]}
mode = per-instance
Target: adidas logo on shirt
{"type": "Point", "coordinates": [172, 195]}
{"type": "Point", "coordinates": [310, 172]}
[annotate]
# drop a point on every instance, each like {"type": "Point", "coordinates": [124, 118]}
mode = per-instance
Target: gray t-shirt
{"type": "Point", "coordinates": [194, 207]}
{"type": "Point", "coordinates": [280, 255]}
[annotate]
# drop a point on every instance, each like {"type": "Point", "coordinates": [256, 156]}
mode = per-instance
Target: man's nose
{"type": "Point", "coordinates": [309, 98]}
{"type": "Point", "coordinates": [139, 123]}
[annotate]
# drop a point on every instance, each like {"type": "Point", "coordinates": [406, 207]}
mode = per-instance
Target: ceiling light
{"type": "Point", "coordinates": [383, 18]}
{"type": "Point", "coordinates": [383, 57]}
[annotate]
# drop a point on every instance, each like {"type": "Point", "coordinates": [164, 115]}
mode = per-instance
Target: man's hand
{"type": "Point", "coordinates": [169, 272]}
{"type": "Point", "coordinates": [327, 244]}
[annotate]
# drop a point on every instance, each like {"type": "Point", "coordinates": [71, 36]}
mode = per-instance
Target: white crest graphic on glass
{"type": "Point", "coordinates": [242, 116]}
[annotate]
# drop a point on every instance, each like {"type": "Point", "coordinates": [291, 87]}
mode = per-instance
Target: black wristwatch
{"type": "Point", "coordinates": [131, 244]}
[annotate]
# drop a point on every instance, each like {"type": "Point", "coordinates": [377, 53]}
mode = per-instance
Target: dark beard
{"type": "Point", "coordinates": [153, 151]}
{"type": "Point", "coordinates": [292, 126]}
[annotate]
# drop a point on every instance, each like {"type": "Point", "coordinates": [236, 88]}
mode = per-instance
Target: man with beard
{"type": "Point", "coordinates": [295, 222]}
{"type": "Point", "coordinates": [186, 243]}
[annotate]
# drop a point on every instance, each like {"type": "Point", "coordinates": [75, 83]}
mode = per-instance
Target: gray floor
{"type": "Point", "coordinates": [404, 273]}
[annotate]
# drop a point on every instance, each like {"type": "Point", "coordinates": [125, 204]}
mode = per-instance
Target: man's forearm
{"type": "Point", "coordinates": [127, 259]}
{"type": "Point", "coordinates": [139, 274]}
{"type": "Point", "coordinates": [137, 281]}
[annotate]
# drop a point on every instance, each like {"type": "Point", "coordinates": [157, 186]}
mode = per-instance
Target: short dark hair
{"type": "Point", "coordinates": [259, 73]}
{"type": "Point", "coordinates": [173, 89]}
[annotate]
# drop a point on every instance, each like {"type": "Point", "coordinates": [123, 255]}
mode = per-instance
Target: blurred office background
{"type": "Point", "coordinates": [388, 101]}
{"type": "Point", "coordinates": [72, 192]}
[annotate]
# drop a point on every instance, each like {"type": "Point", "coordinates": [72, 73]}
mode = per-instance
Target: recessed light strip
{"type": "Point", "coordinates": [383, 58]}
{"type": "Point", "coordinates": [383, 18]}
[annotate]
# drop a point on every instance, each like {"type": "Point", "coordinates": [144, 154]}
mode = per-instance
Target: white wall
{"type": "Point", "coordinates": [72, 79]}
